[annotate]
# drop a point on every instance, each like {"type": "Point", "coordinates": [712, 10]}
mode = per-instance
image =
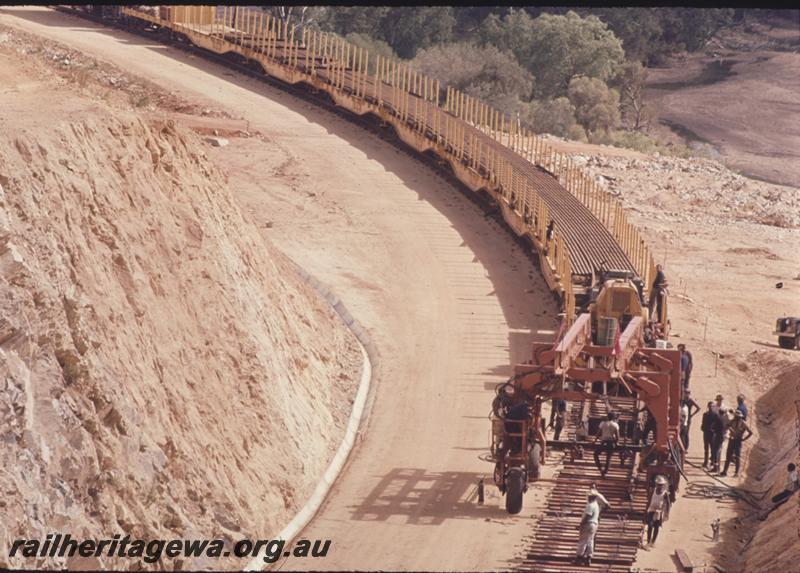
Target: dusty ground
{"type": "Point", "coordinates": [439, 289]}
{"type": "Point", "coordinates": [146, 325]}
{"type": "Point", "coordinates": [738, 101]}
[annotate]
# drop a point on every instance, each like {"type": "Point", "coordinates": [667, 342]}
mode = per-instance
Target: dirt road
{"type": "Point", "coordinates": [449, 300]}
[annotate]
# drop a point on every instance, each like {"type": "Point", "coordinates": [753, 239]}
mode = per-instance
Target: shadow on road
{"type": "Point", "coordinates": [425, 498]}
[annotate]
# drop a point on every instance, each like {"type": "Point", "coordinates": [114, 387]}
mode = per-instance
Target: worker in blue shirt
{"type": "Point", "coordinates": [742, 407]}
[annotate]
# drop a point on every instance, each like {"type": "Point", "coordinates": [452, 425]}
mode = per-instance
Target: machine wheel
{"type": "Point", "coordinates": [515, 484]}
{"type": "Point", "coordinates": [534, 457]}
{"type": "Point", "coordinates": [786, 342]}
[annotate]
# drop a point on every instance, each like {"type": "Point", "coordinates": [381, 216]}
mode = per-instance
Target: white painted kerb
{"type": "Point", "coordinates": [313, 504]}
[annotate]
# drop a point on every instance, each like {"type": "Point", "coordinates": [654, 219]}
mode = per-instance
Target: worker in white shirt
{"type": "Point", "coordinates": [792, 485]}
{"type": "Point", "coordinates": [657, 509]}
{"type": "Point", "coordinates": [601, 499]}
{"type": "Point", "coordinates": [608, 435]}
{"type": "Point", "coordinates": [588, 529]}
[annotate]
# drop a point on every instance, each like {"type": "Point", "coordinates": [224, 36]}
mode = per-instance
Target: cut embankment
{"type": "Point", "coordinates": [772, 544]}
{"type": "Point", "coordinates": [166, 372]}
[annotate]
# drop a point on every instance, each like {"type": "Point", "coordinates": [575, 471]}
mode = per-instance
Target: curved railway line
{"type": "Point", "coordinates": [530, 183]}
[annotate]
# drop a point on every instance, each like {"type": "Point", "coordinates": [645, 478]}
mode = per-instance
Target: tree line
{"type": "Point", "coordinates": [576, 73]}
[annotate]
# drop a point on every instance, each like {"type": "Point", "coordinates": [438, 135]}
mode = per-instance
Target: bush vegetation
{"type": "Point", "coordinates": [576, 73]}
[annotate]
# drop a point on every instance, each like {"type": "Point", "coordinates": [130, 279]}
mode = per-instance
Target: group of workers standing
{"type": "Point", "coordinates": [720, 422]}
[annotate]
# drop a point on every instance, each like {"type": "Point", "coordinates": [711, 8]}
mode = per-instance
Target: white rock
{"type": "Point", "coordinates": [217, 141]}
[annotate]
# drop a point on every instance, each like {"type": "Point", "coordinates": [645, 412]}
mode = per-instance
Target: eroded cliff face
{"type": "Point", "coordinates": [164, 372]}
{"type": "Point", "coordinates": [774, 541]}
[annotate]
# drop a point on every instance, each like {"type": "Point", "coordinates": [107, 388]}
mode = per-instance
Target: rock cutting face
{"type": "Point", "coordinates": [165, 372]}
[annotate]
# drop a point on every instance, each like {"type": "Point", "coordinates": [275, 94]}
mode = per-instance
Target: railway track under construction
{"type": "Point", "coordinates": [551, 546]}
{"type": "Point", "coordinates": [530, 183]}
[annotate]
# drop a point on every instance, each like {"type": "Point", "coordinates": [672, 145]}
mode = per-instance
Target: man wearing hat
{"type": "Point", "coordinates": [657, 509]}
{"type": "Point", "coordinates": [736, 435]}
{"type": "Point", "coordinates": [588, 529]}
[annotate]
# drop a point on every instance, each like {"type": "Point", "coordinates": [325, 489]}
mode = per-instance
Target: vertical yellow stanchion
{"type": "Point", "coordinates": [407, 93]}
{"type": "Point", "coordinates": [362, 83]}
{"type": "Point", "coordinates": [249, 31]}
{"type": "Point", "coordinates": [270, 33]}
{"type": "Point", "coordinates": [265, 38]}
{"type": "Point", "coordinates": [335, 63]}
{"type": "Point", "coordinates": [307, 46]}
{"type": "Point", "coordinates": [243, 31]}
{"type": "Point", "coordinates": [379, 65]}
{"type": "Point", "coordinates": [284, 35]}
{"type": "Point", "coordinates": [257, 41]}
{"type": "Point", "coordinates": [364, 72]}
{"type": "Point", "coordinates": [339, 63]}
{"type": "Point", "coordinates": [292, 49]}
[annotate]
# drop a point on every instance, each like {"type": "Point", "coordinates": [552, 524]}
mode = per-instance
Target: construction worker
{"type": "Point", "coordinates": [684, 424]}
{"type": "Point", "coordinates": [721, 411]}
{"type": "Point", "coordinates": [686, 365]}
{"type": "Point", "coordinates": [688, 409]}
{"type": "Point", "coordinates": [550, 233]}
{"type": "Point", "coordinates": [608, 434]}
{"type": "Point", "coordinates": [712, 432]}
{"type": "Point", "coordinates": [558, 424]}
{"type": "Point", "coordinates": [658, 292]}
{"type": "Point", "coordinates": [588, 529]}
{"type": "Point", "coordinates": [792, 485]}
{"type": "Point", "coordinates": [657, 510]}
{"type": "Point", "coordinates": [719, 404]}
{"type": "Point", "coordinates": [736, 435]}
{"type": "Point", "coordinates": [558, 415]}
{"type": "Point", "coordinates": [601, 499]}
{"type": "Point", "coordinates": [741, 406]}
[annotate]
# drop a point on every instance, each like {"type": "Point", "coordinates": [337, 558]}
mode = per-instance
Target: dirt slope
{"type": "Point", "coordinates": [165, 372]}
{"type": "Point", "coordinates": [737, 101]}
{"type": "Point", "coordinates": [772, 544]}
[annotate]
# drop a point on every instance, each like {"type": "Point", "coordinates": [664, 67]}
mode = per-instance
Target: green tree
{"type": "Point", "coordinates": [355, 19]}
{"type": "Point", "coordinates": [630, 81]}
{"type": "Point", "coordinates": [482, 72]}
{"type": "Point", "coordinates": [556, 48]}
{"type": "Point", "coordinates": [374, 47]}
{"type": "Point", "coordinates": [513, 33]}
{"type": "Point", "coordinates": [691, 28]}
{"type": "Point", "coordinates": [596, 105]}
{"type": "Point", "coordinates": [555, 116]}
{"type": "Point", "coordinates": [639, 29]}
{"type": "Point", "coordinates": [409, 28]}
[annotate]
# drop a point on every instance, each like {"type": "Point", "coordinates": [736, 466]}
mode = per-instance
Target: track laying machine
{"type": "Point", "coordinates": [615, 348]}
